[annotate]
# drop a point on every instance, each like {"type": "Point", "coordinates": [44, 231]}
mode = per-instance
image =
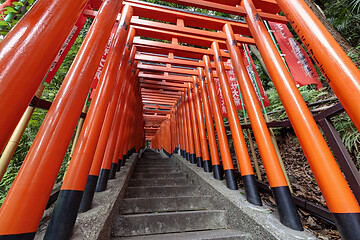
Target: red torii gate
{"type": "Point", "coordinates": [179, 127]}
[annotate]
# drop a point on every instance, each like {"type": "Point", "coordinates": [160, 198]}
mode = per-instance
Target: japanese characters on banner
{"type": "Point", "coordinates": [299, 63]}
{"type": "Point", "coordinates": [234, 89]}
{"type": "Point", "coordinates": [65, 48]}
{"type": "Point", "coordinates": [102, 61]}
{"type": "Point", "coordinates": [234, 85]}
{"type": "Point", "coordinates": [220, 97]}
{"type": "Point", "coordinates": [251, 69]}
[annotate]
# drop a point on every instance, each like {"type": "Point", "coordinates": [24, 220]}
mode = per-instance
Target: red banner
{"type": "Point", "coordinates": [251, 69]}
{"type": "Point", "coordinates": [220, 97]}
{"type": "Point", "coordinates": [102, 61]}
{"type": "Point", "coordinates": [299, 63]}
{"type": "Point", "coordinates": [234, 89]}
{"type": "Point", "coordinates": [65, 48]}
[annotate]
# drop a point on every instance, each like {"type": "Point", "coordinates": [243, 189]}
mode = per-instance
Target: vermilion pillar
{"type": "Point", "coordinates": [49, 147]}
{"type": "Point", "coordinates": [130, 76]}
{"type": "Point", "coordinates": [26, 54]}
{"type": "Point", "coordinates": [195, 128]}
{"type": "Point", "coordinates": [338, 196]}
{"type": "Point", "coordinates": [220, 129]}
{"type": "Point", "coordinates": [63, 218]}
{"type": "Point", "coordinates": [110, 154]}
{"type": "Point", "coordinates": [242, 154]}
{"type": "Point", "coordinates": [275, 175]}
{"type": "Point", "coordinates": [108, 165]}
{"type": "Point", "coordinates": [331, 59]}
{"type": "Point", "coordinates": [215, 161]}
{"type": "Point", "coordinates": [189, 127]}
{"type": "Point", "coordinates": [98, 155]}
{"type": "Point", "coordinates": [182, 128]}
{"type": "Point", "coordinates": [201, 125]}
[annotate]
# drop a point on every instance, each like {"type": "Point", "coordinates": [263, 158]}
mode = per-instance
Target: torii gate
{"type": "Point", "coordinates": [159, 91]}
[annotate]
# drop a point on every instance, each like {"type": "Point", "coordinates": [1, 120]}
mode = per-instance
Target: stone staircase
{"type": "Point", "coordinates": [161, 202]}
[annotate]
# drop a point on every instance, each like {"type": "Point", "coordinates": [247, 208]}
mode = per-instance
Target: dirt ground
{"type": "Point", "coordinates": [302, 182]}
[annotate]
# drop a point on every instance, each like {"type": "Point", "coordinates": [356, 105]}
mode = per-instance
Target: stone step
{"type": "Point", "coordinates": [160, 182]}
{"type": "Point", "coordinates": [155, 164]}
{"type": "Point", "coordinates": [224, 234]}
{"type": "Point", "coordinates": [157, 167]}
{"type": "Point", "coordinates": [158, 175]}
{"type": "Point", "coordinates": [165, 204]}
{"type": "Point", "coordinates": [170, 222]}
{"type": "Point", "coordinates": [161, 191]}
{"type": "Point", "coordinates": [157, 170]}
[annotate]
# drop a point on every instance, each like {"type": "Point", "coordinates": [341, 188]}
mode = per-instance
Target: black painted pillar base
{"type": "Point", "coordinates": [123, 160]}
{"type": "Point", "coordinates": [192, 158]}
{"type": "Point", "coordinates": [207, 166]}
{"type": "Point", "coordinates": [182, 153]}
{"type": "Point", "coordinates": [286, 207]}
{"type": "Point", "coordinates": [176, 150]}
{"type": "Point", "coordinates": [348, 225]}
{"type": "Point", "coordinates": [251, 190]}
{"type": "Point", "coordinates": [89, 192]}
{"type": "Point", "coordinates": [20, 236]}
{"type": "Point", "coordinates": [118, 166]}
{"type": "Point", "coordinates": [218, 172]}
{"type": "Point", "coordinates": [231, 179]}
{"type": "Point", "coordinates": [188, 156]}
{"type": "Point", "coordinates": [103, 179]}
{"type": "Point", "coordinates": [199, 162]}
{"type": "Point", "coordinates": [64, 215]}
{"type": "Point", "coordinates": [113, 171]}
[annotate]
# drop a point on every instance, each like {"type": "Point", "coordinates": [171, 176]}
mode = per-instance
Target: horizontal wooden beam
{"type": "Point", "coordinates": [167, 14]}
{"type": "Point", "coordinates": [234, 10]}
{"type": "Point", "coordinates": [159, 91]}
{"type": "Point", "coordinates": [167, 60]}
{"type": "Point", "coordinates": [157, 68]}
{"type": "Point", "coordinates": [178, 50]}
{"type": "Point", "coordinates": [145, 85]}
{"type": "Point", "coordinates": [169, 77]}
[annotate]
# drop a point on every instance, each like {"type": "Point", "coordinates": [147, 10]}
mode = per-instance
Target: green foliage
{"type": "Point", "coordinates": [308, 92]}
{"type": "Point", "coordinates": [12, 15]}
{"type": "Point", "coordinates": [37, 118]}
{"type": "Point", "coordinates": [349, 135]}
{"type": "Point", "coordinates": [344, 15]}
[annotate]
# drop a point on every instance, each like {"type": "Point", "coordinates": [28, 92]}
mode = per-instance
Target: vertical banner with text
{"type": "Point", "coordinates": [300, 65]}
{"type": "Point", "coordinates": [65, 48]}
{"type": "Point", "coordinates": [102, 61]}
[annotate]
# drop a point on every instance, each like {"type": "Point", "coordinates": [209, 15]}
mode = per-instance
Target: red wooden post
{"type": "Point", "coordinates": [49, 147]}
{"type": "Point", "coordinates": [331, 59]}
{"type": "Point", "coordinates": [345, 209]}
{"type": "Point", "coordinates": [266, 148]}
{"type": "Point", "coordinates": [201, 124]}
{"type": "Point", "coordinates": [194, 124]}
{"type": "Point", "coordinates": [216, 165]}
{"type": "Point", "coordinates": [26, 54]}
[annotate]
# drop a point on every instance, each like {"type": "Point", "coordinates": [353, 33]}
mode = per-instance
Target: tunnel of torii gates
{"type": "Point", "coordinates": [162, 92]}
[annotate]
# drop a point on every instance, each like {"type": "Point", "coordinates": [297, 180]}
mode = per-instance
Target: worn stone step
{"type": "Point", "coordinates": [170, 222]}
{"type": "Point", "coordinates": [161, 182]}
{"type": "Point", "coordinates": [157, 170]}
{"type": "Point", "coordinates": [157, 166]}
{"type": "Point", "coordinates": [161, 191]}
{"type": "Point", "coordinates": [158, 175]}
{"type": "Point", "coordinates": [225, 234]}
{"type": "Point", "coordinates": [165, 204]}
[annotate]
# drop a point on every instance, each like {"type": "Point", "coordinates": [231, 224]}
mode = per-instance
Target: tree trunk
{"type": "Point", "coordinates": [340, 40]}
{"type": "Point", "coordinates": [256, 52]}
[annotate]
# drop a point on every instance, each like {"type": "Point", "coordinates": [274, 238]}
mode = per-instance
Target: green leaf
{"type": "Point", "coordinates": [18, 4]}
